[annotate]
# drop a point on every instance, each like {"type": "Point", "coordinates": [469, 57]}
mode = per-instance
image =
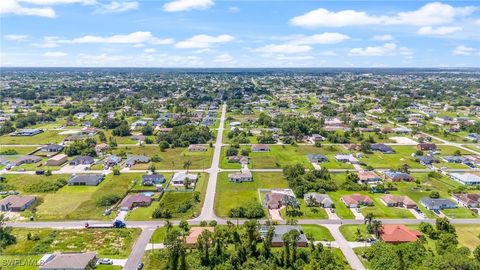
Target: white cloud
{"type": "Point", "coordinates": [54, 54]}
{"type": "Point", "coordinates": [16, 37]}
{"type": "Point", "coordinates": [464, 50]}
{"type": "Point", "coordinates": [383, 37]}
{"type": "Point", "coordinates": [132, 38]}
{"type": "Point", "coordinates": [183, 5]}
{"type": "Point", "coordinates": [13, 7]}
{"type": "Point", "coordinates": [59, 2]}
{"type": "Point", "coordinates": [283, 49]}
{"type": "Point", "coordinates": [438, 31]}
{"type": "Point", "coordinates": [386, 49]}
{"type": "Point", "coordinates": [430, 14]}
{"type": "Point", "coordinates": [203, 41]}
{"type": "Point", "coordinates": [477, 21]}
{"type": "Point", "coordinates": [149, 50]}
{"type": "Point", "coordinates": [233, 9]}
{"type": "Point", "coordinates": [325, 38]}
{"type": "Point", "coordinates": [117, 7]}
{"type": "Point", "coordinates": [283, 57]}
{"type": "Point", "coordinates": [223, 58]}
{"type": "Point", "coordinates": [328, 53]}
{"type": "Point", "coordinates": [48, 42]}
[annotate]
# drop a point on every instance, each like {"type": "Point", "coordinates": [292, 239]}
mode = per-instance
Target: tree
{"type": "Point", "coordinates": [443, 225]}
{"type": "Point", "coordinates": [187, 182]}
{"type": "Point", "coordinates": [6, 236]}
{"type": "Point", "coordinates": [376, 228]}
{"type": "Point", "coordinates": [186, 164]}
{"type": "Point", "coordinates": [368, 219]}
{"type": "Point", "coordinates": [446, 242]}
{"type": "Point", "coordinates": [163, 145]}
{"type": "Point", "coordinates": [434, 195]}
{"type": "Point", "coordinates": [184, 226]}
{"type": "Point", "coordinates": [476, 253]}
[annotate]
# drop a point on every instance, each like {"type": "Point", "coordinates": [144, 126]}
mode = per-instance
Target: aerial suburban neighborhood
{"type": "Point", "coordinates": [239, 135]}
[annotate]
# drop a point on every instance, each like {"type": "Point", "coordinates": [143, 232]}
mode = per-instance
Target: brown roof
{"type": "Point", "coordinates": [16, 200]}
{"type": "Point", "coordinates": [195, 232]}
{"type": "Point", "coordinates": [366, 175]}
{"type": "Point", "coordinates": [356, 198]}
{"type": "Point", "coordinates": [399, 234]}
{"type": "Point", "coordinates": [69, 261]}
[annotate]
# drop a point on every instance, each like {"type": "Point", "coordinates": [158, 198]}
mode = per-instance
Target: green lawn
{"type": "Point", "coordinates": [401, 156]}
{"type": "Point", "coordinates": [307, 212]}
{"type": "Point", "coordinates": [349, 231]}
{"type": "Point", "coordinates": [468, 235]}
{"type": "Point", "coordinates": [340, 209]}
{"type": "Point", "coordinates": [172, 200]}
{"type": "Point", "coordinates": [380, 210]}
{"type": "Point", "coordinates": [114, 243]}
{"type": "Point", "coordinates": [279, 156]}
{"type": "Point", "coordinates": [460, 212]}
{"type": "Point", "coordinates": [48, 136]}
{"type": "Point", "coordinates": [230, 195]}
{"type": "Point", "coordinates": [21, 150]}
{"type": "Point", "coordinates": [317, 232]}
{"type": "Point", "coordinates": [171, 158]}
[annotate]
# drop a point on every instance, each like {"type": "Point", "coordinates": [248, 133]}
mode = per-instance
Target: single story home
{"type": "Point", "coordinates": [276, 198]}
{"type": "Point", "coordinates": [238, 159]}
{"type": "Point", "coordinates": [437, 204]}
{"type": "Point", "coordinates": [471, 200]}
{"type": "Point", "coordinates": [136, 200]}
{"type": "Point", "coordinates": [398, 201]}
{"type": "Point", "coordinates": [26, 160]}
{"type": "Point", "coordinates": [455, 159]}
{"type": "Point", "coordinates": [318, 199]}
{"type": "Point", "coordinates": [132, 160]}
{"type": "Point", "coordinates": [82, 160]}
{"type": "Point", "coordinates": [86, 180]}
{"type": "Point", "coordinates": [396, 176]}
{"type": "Point", "coordinates": [243, 176]}
{"type": "Point", "coordinates": [346, 158]}
{"type": "Point", "coordinates": [426, 147]}
{"type": "Point", "coordinates": [195, 232]}
{"type": "Point", "coordinates": [280, 231]}
{"type": "Point", "coordinates": [260, 148]}
{"type": "Point", "coordinates": [51, 148]}
{"type": "Point", "coordinates": [16, 203]}
{"type": "Point", "coordinates": [101, 148]}
{"type": "Point", "coordinates": [427, 160]}
{"type": "Point", "coordinates": [178, 179]}
{"type": "Point", "coordinates": [27, 132]}
{"type": "Point", "coordinates": [197, 148]}
{"type": "Point", "coordinates": [316, 138]}
{"type": "Point", "coordinates": [112, 160]}
{"type": "Point", "coordinates": [356, 200]}
{"type": "Point", "coordinates": [368, 177]}
{"type": "Point", "coordinates": [317, 158]}
{"type": "Point", "coordinates": [57, 160]}
{"type": "Point", "coordinates": [68, 261]}
{"type": "Point", "coordinates": [466, 178]}
{"type": "Point", "coordinates": [152, 179]}
{"type": "Point", "coordinates": [397, 234]}
{"type": "Point", "coordinates": [382, 148]}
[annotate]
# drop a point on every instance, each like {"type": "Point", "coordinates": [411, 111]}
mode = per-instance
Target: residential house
{"type": "Point", "coordinates": [318, 199]}
{"type": "Point", "coordinates": [132, 160]}
{"type": "Point", "coordinates": [68, 261]}
{"type": "Point", "coordinates": [426, 147]}
{"type": "Point", "coordinates": [152, 179]}
{"type": "Point", "coordinates": [85, 180]}
{"type": "Point", "coordinates": [317, 158]}
{"type": "Point", "coordinates": [178, 179]}
{"type": "Point", "coordinates": [466, 178]}
{"type": "Point", "coordinates": [238, 159]}
{"type": "Point", "coordinates": [316, 138]}
{"type": "Point", "coordinates": [382, 148]}
{"type": "Point", "coordinates": [16, 203]}
{"type": "Point", "coordinates": [437, 204]}
{"type": "Point", "coordinates": [26, 160]}
{"type": "Point", "coordinates": [471, 200]}
{"type": "Point", "coordinates": [112, 160]}
{"type": "Point", "coordinates": [57, 160]}
{"type": "Point", "coordinates": [101, 148]}
{"type": "Point", "coordinates": [51, 148]}
{"type": "Point", "coordinates": [195, 232]}
{"type": "Point", "coordinates": [136, 200]}
{"type": "Point", "coordinates": [368, 177]}
{"type": "Point", "coordinates": [356, 200]}
{"type": "Point", "coordinates": [346, 158]}
{"type": "Point", "coordinates": [27, 132]}
{"type": "Point", "coordinates": [473, 137]}
{"type": "Point", "coordinates": [396, 234]}
{"type": "Point", "coordinates": [420, 137]}
{"type": "Point", "coordinates": [280, 231]}
{"type": "Point", "coordinates": [197, 148]}
{"type": "Point", "coordinates": [396, 176]}
{"type": "Point", "coordinates": [243, 176]}
{"type": "Point", "coordinates": [82, 160]}
{"type": "Point", "coordinates": [427, 160]}
{"type": "Point", "coordinates": [277, 198]}
{"type": "Point", "coordinates": [398, 201]}
{"type": "Point", "coordinates": [260, 148]}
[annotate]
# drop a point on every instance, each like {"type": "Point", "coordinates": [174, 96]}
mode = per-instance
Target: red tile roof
{"type": "Point", "coordinates": [399, 234]}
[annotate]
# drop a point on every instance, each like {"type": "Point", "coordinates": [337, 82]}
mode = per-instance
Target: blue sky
{"type": "Point", "coordinates": [248, 33]}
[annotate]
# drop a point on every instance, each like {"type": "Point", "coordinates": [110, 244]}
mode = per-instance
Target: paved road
{"type": "Point", "coordinates": [342, 243]}
{"type": "Point", "coordinates": [208, 212]}
{"type": "Point", "coordinates": [139, 249]}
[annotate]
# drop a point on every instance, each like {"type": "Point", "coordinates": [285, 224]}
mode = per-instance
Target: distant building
{"type": "Point", "coordinates": [396, 176]}
{"type": "Point", "coordinates": [260, 148]}
{"type": "Point", "coordinates": [318, 199]}
{"type": "Point", "coordinates": [26, 132]}
{"type": "Point", "coordinates": [317, 158]}
{"type": "Point", "coordinates": [398, 201]}
{"type": "Point", "coordinates": [136, 200]}
{"type": "Point", "coordinates": [382, 148]}
{"type": "Point", "coordinates": [68, 261]}
{"type": "Point", "coordinates": [466, 178]}
{"type": "Point", "coordinates": [356, 200]}
{"type": "Point", "coordinates": [368, 177]}
{"type": "Point", "coordinates": [57, 160]}
{"type": "Point", "coordinates": [426, 147]}
{"type": "Point", "coordinates": [26, 160]}
{"type": "Point", "coordinates": [238, 159]}
{"type": "Point", "coordinates": [51, 148]}
{"type": "Point", "coordinates": [197, 148]}
{"type": "Point", "coordinates": [437, 204]}
{"type": "Point", "coordinates": [346, 158]}
{"type": "Point", "coordinates": [471, 200]}
{"type": "Point", "coordinates": [86, 180]}
{"type": "Point", "coordinates": [152, 179]}
{"type": "Point", "coordinates": [82, 160]}
{"type": "Point", "coordinates": [132, 160]}
{"type": "Point", "coordinates": [16, 203]}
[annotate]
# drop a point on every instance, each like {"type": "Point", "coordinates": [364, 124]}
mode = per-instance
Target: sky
{"type": "Point", "coordinates": [247, 33]}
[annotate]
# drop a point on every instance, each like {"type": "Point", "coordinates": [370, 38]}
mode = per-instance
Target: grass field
{"type": "Point", "coordinates": [401, 156]}
{"type": "Point", "coordinates": [317, 232]}
{"type": "Point", "coordinates": [114, 243]}
{"type": "Point", "coordinates": [230, 195]}
{"type": "Point", "coordinates": [279, 156]}
{"type": "Point", "coordinates": [79, 202]}
{"type": "Point", "coordinates": [350, 231]}
{"type": "Point", "coordinates": [21, 150]}
{"type": "Point", "coordinates": [173, 200]}
{"type": "Point", "coordinates": [48, 136]}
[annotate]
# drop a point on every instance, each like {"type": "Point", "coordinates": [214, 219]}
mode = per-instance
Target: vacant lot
{"type": "Point", "coordinates": [279, 156]}
{"type": "Point", "coordinates": [48, 136]}
{"type": "Point", "coordinates": [114, 243]}
{"type": "Point", "coordinates": [230, 195]}
{"type": "Point", "coordinates": [401, 156]}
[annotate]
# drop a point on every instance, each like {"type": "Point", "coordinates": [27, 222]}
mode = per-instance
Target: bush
{"type": "Point", "coordinates": [108, 200]}
{"type": "Point", "coordinates": [47, 186]}
{"type": "Point", "coordinates": [250, 210]}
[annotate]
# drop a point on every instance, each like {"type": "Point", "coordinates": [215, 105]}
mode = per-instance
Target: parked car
{"type": "Point", "coordinates": [39, 172]}
{"type": "Point", "coordinates": [105, 261]}
{"type": "Point", "coordinates": [140, 266]}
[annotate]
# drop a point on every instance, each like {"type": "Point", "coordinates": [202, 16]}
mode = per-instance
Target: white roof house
{"type": "Point", "coordinates": [466, 178]}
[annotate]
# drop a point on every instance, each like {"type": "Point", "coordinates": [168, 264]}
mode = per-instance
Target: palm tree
{"type": "Point", "coordinates": [368, 219]}
{"type": "Point", "coordinates": [377, 228]}
{"type": "Point", "coordinates": [186, 164]}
